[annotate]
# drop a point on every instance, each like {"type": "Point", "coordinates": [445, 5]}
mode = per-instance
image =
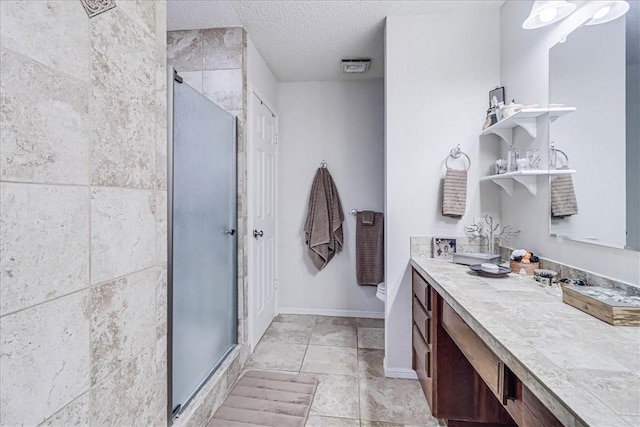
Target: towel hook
{"type": "Point", "coordinates": [353, 212]}
{"type": "Point", "coordinates": [455, 153]}
{"type": "Point", "coordinates": [323, 164]}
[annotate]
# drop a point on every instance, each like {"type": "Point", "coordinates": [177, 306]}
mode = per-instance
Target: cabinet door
{"type": "Point", "coordinates": [422, 364]}
{"type": "Point", "coordinates": [422, 320]}
{"type": "Point", "coordinates": [422, 347]}
{"type": "Point", "coordinates": [421, 290]}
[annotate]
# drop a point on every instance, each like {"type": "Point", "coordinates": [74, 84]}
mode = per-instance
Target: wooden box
{"type": "Point", "coordinates": [609, 305]}
{"type": "Point", "coordinates": [516, 266]}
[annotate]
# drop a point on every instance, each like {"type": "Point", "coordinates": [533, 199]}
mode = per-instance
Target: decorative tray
{"type": "Point", "coordinates": [471, 258]}
{"type": "Point", "coordinates": [502, 271]}
{"type": "Point", "coordinates": [613, 306]}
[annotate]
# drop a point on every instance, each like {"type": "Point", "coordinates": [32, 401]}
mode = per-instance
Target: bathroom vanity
{"type": "Point", "coordinates": [509, 352]}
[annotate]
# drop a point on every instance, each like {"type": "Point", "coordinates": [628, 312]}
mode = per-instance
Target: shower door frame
{"type": "Point", "coordinates": [172, 75]}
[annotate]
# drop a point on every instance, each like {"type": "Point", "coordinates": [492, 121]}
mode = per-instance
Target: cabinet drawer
{"type": "Point", "coordinates": [422, 320]}
{"type": "Point", "coordinates": [486, 364]}
{"type": "Point", "coordinates": [423, 356]}
{"type": "Point", "coordinates": [421, 290]}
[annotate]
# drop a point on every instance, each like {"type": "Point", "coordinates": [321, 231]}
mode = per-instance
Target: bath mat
{"type": "Point", "coordinates": [270, 399]}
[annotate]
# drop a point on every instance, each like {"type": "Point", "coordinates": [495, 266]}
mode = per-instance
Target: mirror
{"type": "Point", "coordinates": [597, 70]}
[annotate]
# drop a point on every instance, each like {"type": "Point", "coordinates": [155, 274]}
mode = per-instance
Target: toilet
{"type": "Point", "coordinates": [381, 292]}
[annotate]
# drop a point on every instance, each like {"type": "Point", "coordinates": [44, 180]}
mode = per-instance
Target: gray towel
{"type": "Point", "coordinates": [323, 225]}
{"type": "Point", "coordinates": [454, 194]}
{"type": "Point", "coordinates": [370, 250]}
{"type": "Point", "coordinates": [368, 217]}
{"type": "Point", "coordinates": [563, 196]}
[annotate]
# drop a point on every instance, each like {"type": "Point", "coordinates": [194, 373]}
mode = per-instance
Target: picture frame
{"type": "Point", "coordinates": [444, 247]}
{"type": "Point", "coordinates": [498, 92]}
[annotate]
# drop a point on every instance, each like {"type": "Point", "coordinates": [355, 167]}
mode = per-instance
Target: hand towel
{"type": "Point", "coordinates": [335, 209]}
{"type": "Point", "coordinates": [369, 250]}
{"type": "Point", "coordinates": [454, 194]}
{"type": "Point", "coordinates": [563, 196]}
{"type": "Point", "coordinates": [368, 217]}
{"type": "Point", "coordinates": [323, 225]}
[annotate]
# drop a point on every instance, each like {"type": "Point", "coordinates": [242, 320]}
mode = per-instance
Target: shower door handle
{"type": "Point", "coordinates": [230, 232]}
{"type": "Point", "coordinates": [257, 233]}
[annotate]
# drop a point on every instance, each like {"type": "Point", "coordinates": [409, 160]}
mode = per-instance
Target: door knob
{"type": "Point", "coordinates": [230, 232]}
{"type": "Point", "coordinates": [257, 233]}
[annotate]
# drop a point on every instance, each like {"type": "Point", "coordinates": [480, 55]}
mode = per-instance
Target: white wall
{"type": "Point", "coordinates": [438, 72]}
{"type": "Point", "coordinates": [260, 78]}
{"type": "Point", "coordinates": [341, 122]}
{"type": "Point", "coordinates": [633, 155]}
{"type": "Point", "coordinates": [524, 67]}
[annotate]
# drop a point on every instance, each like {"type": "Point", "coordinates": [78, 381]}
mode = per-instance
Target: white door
{"type": "Point", "coordinates": [262, 212]}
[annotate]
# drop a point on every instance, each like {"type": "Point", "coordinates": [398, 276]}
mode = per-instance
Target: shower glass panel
{"type": "Point", "coordinates": [203, 256]}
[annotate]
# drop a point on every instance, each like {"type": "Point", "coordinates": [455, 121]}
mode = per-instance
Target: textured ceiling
{"type": "Point", "coordinates": [305, 40]}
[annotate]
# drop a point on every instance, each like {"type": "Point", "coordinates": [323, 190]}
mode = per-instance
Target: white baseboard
{"type": "Point", "coordinates": [331, 312]}
{"type": "Point", "coordinates": [405, 373]}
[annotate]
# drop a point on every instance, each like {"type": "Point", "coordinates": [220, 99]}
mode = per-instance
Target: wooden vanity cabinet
{"type": "Point", "coordinates": [464, 382]}
{"type": "Point", "coordinates": [454, 390]}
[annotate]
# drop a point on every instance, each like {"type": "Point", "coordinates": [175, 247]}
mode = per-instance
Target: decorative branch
{"type": "Point", "coordinates": [491, 231]}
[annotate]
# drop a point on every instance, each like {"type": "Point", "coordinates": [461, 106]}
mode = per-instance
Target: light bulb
{"type": "Point", "coordinates": [602, 12]}
{"type": "Point", "coordinates": [548, 14]}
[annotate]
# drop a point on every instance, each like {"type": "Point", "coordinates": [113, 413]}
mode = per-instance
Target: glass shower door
{"type": "Point", "coordinates": [203, 194]}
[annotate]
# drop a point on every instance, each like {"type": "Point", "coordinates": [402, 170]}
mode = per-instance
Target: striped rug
{"type": "Point", "coordinates": [267, 399]}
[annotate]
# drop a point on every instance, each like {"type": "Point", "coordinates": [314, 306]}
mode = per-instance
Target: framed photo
{"type": "Point", "coordinates": [498, 92]}
{"type": "Point", "coordinates": [444, 247]}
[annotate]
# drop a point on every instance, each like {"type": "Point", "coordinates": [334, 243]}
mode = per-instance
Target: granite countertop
{"type": "Point", "coordinates": [584, 370]}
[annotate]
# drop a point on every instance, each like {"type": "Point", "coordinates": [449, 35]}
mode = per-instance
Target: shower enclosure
{"type": "Point", "coordinates": [202, 240]}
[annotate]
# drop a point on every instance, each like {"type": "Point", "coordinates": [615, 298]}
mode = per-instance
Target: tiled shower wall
{"type": "Point", "coordinates": [213, 61]}
{"type": "Point", "coordinates": [83, 214]}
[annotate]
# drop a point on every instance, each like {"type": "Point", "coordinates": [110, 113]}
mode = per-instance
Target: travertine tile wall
{"type": "Point", "coordinates": [570, 272]}
{"type": "Point", "coordinates": [421, 246]}
{"type": "Point", "coordinates": [214, 62]}
{"type": "Point", "coordinates": [83, 214]}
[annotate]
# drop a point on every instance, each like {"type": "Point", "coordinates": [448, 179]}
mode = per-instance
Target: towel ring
{"type": "Point", "coordinates": [554, 157]}
{"type": "Point", "coordinates": [455, 153]}
{"type": "Point", "coordinates": [323, 164]}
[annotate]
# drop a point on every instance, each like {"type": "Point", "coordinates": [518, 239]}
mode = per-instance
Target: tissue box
{"type": "Point", "coordinates": [472, 258]}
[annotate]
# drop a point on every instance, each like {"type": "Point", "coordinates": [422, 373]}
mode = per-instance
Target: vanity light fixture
{"type": "Point", "coordinates": [546, 12]}
{"type": "Point", "coordinates": [609, 11]}
{"type": "Point", "coordinates": [355, 65]}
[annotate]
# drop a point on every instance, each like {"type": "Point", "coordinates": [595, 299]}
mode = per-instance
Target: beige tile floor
{"type": "Point", "coordinates": [345, 354]}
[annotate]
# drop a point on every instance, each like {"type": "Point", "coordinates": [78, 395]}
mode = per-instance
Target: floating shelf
{"type": "Point", "coordinates": [555, 112]}
{"type": "Point", "coordinates": [526, 119]}
{"type": "Point", "coordinates": [528, 178]}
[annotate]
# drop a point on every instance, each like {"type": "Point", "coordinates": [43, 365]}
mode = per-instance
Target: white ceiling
{"type": "Point", "coordinates": [305, 40]}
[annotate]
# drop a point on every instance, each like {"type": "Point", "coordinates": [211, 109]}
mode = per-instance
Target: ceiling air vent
{"type": "Point", "coordinates": [355, 65]}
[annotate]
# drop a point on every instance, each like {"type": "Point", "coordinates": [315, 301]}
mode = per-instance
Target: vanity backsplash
{"type": "Point", "coordinates": [421, 246]}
